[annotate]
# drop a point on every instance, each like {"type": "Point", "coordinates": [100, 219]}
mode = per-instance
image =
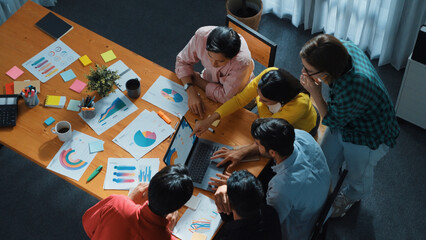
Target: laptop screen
{"type": "Point", "coordinates": [181, 144]}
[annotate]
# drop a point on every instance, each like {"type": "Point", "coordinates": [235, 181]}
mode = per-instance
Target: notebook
{"type": "Point", "coordinates": [53, 25]}
{"type": "Point", "coordinates": [55, 101]}
{"type": "Point", "coordinates": [194, 153]}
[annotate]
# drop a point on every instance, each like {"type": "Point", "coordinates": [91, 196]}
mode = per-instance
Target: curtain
{"type": "Point", "coordinates": [386, 29]}
{"type": "Point", "coordinates": [9, 7]}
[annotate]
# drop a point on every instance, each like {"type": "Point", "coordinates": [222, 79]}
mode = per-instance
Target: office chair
{"type": "Point", "coordinates": [320, 225]}
{"type": "Point", "coordinates": [261, 48]}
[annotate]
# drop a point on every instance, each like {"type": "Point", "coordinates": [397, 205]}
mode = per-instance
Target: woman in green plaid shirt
{"type": "Point", "coordinates": [359, 113]}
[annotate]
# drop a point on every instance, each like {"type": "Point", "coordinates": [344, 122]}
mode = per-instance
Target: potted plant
{"type": "Point", "coordinates": [247, 11]}
{"type": "Point", "coordinates": [101, 80]}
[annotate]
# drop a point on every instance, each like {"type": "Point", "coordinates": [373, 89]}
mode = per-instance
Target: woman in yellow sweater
{"type": "Point", "coordinates": [278, 95]}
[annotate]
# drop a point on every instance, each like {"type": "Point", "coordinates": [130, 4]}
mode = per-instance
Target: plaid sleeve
{"type": "Point", "coordinates": [348, 99]}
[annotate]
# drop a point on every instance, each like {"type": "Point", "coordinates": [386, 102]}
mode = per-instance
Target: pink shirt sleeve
{"type": "Point", "coordinates": [189, 55]}
{"type": "Point", "coordinates": [232, 83]}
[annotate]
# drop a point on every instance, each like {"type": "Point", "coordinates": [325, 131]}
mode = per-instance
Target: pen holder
{"type": "Point", "coordinates": [88, 113]}
{"type": "Point", "coordinates": [31, 101]}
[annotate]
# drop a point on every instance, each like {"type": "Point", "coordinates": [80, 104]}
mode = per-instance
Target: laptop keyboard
{"type": "Point", "coordinates": [201, 161]}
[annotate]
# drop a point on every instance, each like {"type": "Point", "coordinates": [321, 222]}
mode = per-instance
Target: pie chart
{"type": "Point", "coordinates": [171, 95]}
{"type": "Point", "coordinates": [144, 139]}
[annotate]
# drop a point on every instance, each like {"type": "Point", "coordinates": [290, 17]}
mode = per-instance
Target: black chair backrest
{"type": "Point", "coordinates": [326, 208]}
{"type": "Point", "coordinates": [262, 49]}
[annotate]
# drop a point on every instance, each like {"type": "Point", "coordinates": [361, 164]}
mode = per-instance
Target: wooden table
{"type": "Point", "coordinates": [20, 40]}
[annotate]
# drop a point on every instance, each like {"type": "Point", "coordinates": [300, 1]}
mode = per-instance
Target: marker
{"type": "Point", "coordinates": [211, 130]}
{"type": "Point", "coordinates": [94, 173]}
{"type": "Point", "coordinates": [164, 117]}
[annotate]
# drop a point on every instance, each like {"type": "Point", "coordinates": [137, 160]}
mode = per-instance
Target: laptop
{"type": "Point", "coordinates": [194, 153]}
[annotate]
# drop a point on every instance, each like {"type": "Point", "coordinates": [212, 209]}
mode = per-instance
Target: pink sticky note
{"type": "Point", "coordinates": [14, 72]}
{"type": "Point", "coordinates": [78, 86]}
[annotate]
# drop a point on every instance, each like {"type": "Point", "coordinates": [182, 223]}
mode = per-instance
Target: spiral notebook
{"type": "Point", "coordinates": [55, 101]}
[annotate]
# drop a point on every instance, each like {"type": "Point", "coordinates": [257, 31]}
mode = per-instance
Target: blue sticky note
{"type": "Point", "coordinates": [96, 146]}
{"type": "Point", "coordinates": [73, 105]}
{"type": "Point", "coordinates": [49, 121]}
{"type": "Point", "coordinates": [68, 75]}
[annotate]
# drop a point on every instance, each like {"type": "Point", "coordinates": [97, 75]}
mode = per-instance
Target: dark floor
{"type": "Point", "coordinates": [36, 204]}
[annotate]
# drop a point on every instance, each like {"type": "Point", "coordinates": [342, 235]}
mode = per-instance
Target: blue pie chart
{"type": "Point", "coordinates": [144, 139]}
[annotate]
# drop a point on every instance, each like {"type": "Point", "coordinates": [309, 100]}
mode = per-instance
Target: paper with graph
{"type": "Point", "coordinates": [125, 74]}
{"type": "Point", "coordinates": [204, 220]}
{"type": "Point", "coordinates": [74, 156]}
{"type": "Point", "coordinates": [51, 61]}
{"type": "Point", "coordinates": [168, 95]}
{"type": "Point", "coordinates": [109, 111]}
{"type": "Point", "coordinates": [143, 134]}
{"type": "Point", "coordinates": [126, 173]}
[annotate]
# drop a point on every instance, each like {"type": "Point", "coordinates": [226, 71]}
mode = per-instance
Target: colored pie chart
{"type": "Point", "coordinates": [171, 95]}
{"type": "Point", "coordinates": [144, 139]}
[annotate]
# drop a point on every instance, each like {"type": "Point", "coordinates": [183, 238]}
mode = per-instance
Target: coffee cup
{"type": "Point", "coordinates": [63, 130]}
{"type": "Point", "coordinates": [133, 87]}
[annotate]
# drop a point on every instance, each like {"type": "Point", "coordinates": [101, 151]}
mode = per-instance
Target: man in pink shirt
{"type": "Point", "coordinates": [150, 212]}
{"type": "Point", "coordinates": [228, 65]}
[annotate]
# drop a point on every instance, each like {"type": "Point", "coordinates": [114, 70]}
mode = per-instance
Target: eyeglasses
{"type": "Point", "coordinates": [310, 74]}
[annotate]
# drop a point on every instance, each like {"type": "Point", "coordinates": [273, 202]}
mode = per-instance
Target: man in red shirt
{"type": "Point", "coordinates": [135, 216]}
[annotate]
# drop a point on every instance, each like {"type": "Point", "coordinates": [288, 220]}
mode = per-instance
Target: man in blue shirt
{"type": "Point", "coordinates": [302, 181]}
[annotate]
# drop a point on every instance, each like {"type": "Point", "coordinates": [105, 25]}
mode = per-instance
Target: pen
{"type": "Point", "coordinates": [94, 173]}
{"type": "Point", "coordinates": [211, 130]}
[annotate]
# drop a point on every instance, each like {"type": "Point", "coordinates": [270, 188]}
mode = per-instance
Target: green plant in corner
{"type": "Point", "coordinates": [101, 80]}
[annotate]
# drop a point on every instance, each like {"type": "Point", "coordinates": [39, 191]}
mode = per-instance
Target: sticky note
{"type": "Point", "coordinates": [108, 56]}
{"type": "Point", "coordinates": [198, 236]}
{"type": "Point", "coordinates": [14, 72]}
{"type": "Point", "coordinates": [78, 86]}
{"type": "Point", "coordinates": [193, 202]}
{"type": "Point", "coordinates": [96, 146]}
{"type": "Point", "coordinates": [49, 121]}
{"type": "Point", "coordinates": [68, 75]}
{"type": "Point", "coordinates": [85, 60]}
{"type": "Point", "coordinates": [73, 105]}
{"type": "Point", "coordinates": [215, 123]}
{"type": "Point", "coordinates": [9, 87]}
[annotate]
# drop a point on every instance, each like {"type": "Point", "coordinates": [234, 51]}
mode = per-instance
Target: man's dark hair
{"type": "Point", "coordinates": [169, 189]}
{"type": "Point", "coordinates": [245, 193]}
{"type": "Point", "coordinates": [274, 133]}
{"type": "Point", "coordinates": [279, 85]}
{"type": "Point", "coordinates": [327, 54]}
{"type": "Point", "coordinates": [224, 40]}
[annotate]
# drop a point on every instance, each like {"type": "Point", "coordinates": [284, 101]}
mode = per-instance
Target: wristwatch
{"type": "Point", "coordinates": [187, 85]}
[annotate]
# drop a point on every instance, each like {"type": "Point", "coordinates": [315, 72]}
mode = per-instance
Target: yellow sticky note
{"type": "Point", "coordinates": [198, 236]}
{"type": "Point", "coordinates": [215, 123]}
{"type": "Point", "coordinates": [85, 60]}
{"type": "Point", "coordinates": [108, 56]}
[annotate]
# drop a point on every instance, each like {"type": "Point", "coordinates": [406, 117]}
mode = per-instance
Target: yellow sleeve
{"type": "Point", "coordinates": [298, 112]}
{"type": "Point", "coordinates": [242, 98]}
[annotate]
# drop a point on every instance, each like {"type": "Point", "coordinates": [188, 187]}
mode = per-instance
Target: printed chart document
{"type": "Point", "coordinates": [74, 156]}
{"type": "Point", "coordinates": [109, 111]}
{"type": "Point", "coordinates": [125, 74]}
{"type": "Point", "coordinates": [204, 220]}
{"type": "Point", "coordinates": [143, 134]}
{"type": "Point", "coordinates": [51, 61]}
{"type": "Point", "coordinates": [126, 173]}
{"type": "Point", "coordinates": [168, 95]}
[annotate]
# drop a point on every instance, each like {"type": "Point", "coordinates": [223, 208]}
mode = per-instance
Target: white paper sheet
{"type": "Point", "coordinates": [168, 95]}
{"type": "Point", "coordinates": [126, 173]}
{"type": "Point", "coordinates": [51, 61]}
{"type": "Point", "coordinates": [74, 156]}
{"type": "Point", "coordinates": [125, 74]}
{"type": "Point", "coordinates": [109, 111]}
{"type": "Point", "coordinates": [205, 220]}
{"type": "Point", "coordinates": [143, 134]}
